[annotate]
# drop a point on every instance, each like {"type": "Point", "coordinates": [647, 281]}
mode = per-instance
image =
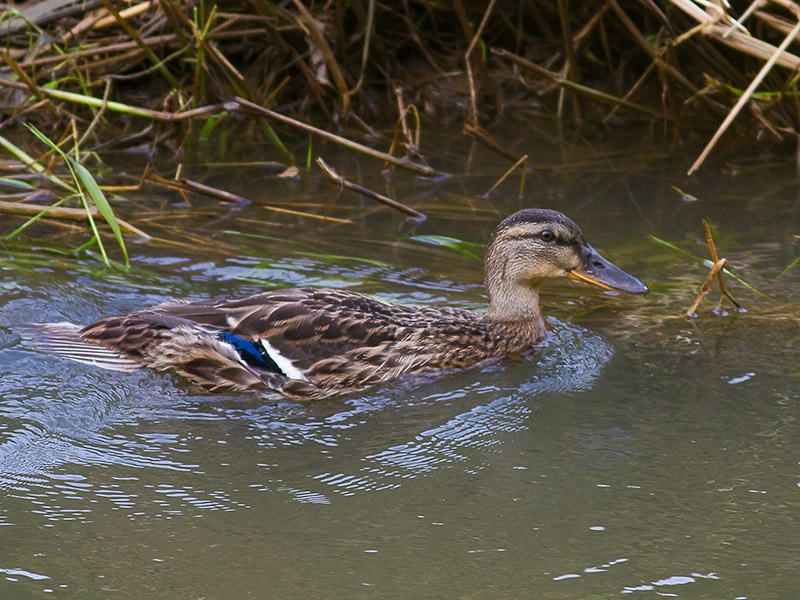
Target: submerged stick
{"type": "Point", "coordinates": [64, 214]}
{"type": "Point", "coordinates": [182, 184]}
{"type": "Point", "coordinates": [334, 176]}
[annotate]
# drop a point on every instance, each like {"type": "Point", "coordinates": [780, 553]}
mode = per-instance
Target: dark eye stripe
{"type": "Point", "coordinates": [537, 236]}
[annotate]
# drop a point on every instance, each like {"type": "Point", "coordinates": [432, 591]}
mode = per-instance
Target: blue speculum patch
{"type": "Point", "coordinates": [253, 353]}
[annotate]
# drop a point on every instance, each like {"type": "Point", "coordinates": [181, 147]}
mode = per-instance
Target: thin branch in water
{"type": "Point", "coordinates": [706, 287]}
{"type": "Point", "coordinates": [412, 142]}
{"type": "Point", "coordinates": [715, 271]}
{"type": "Point", "coordinates": [523, 162]}
{"type": "Point", "coordinates": [334, 176]}
{"type": "Point", "coordinates": [472, 129]}
{"type": "Point", "coordinates": [720, 279]}
{"type": "Point", "coordinates": [188, 185]}
{"type": "Point", "coordinates": [64, 214]}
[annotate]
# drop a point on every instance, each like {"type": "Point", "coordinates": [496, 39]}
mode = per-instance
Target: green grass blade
{"type": "Point", "coordinates": [32, 220]}
{"type": "Point", "coordinates": [790, 267]}
{"type": "Point", "coordinates": [99, 199]}
{"type": "Point", "coordinates": [449, 242]}
{"type": "Point", "coordinates": [672, 246]}
{"type": "Point", "coordinates": [81, 193]}
{"type": "Point", "coordinates": [31, 163]}
{"type": "Point", "coordinates": [16, 184]}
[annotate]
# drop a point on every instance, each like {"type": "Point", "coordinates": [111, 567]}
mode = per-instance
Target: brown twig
{"type": "Point", "coordinates": [467, 56]}
{"type": "Point", "coordinates": [720, 279]}
{"type": "Point", "coordinates": [524, 163]}
{"type": "Point", "coordinates": [715, 271]}
{"type": "Point", "coordinates": [334, 176]}
{"type": "Point", "coordinates": [569, 50]}
{"type": "Point", "coordinates": [241, 103]}
{"type": "Point", "coordinates": [158, 63]}
{"type": "Point", "coordinates": [34, 89]}
{"type": "Point", "coordinates": [472, 129]}
{"type": "Point", "coordinates": [706, 287]}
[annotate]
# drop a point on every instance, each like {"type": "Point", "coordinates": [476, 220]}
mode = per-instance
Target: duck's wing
{"type": "Point", "coordinates": [299, 327]}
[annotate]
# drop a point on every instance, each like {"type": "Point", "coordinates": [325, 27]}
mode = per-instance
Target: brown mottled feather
{"type": "Point", "coordinates": [339, 340]}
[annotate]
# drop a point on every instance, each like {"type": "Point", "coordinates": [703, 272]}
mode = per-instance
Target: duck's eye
{"type": "Point", "coordinates": [547, 235]}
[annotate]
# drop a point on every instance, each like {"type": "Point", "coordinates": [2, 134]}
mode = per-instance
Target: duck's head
{"type": "Point", "coordinates": [536, 244]}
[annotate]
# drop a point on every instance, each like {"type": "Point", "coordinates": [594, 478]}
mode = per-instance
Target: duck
{"type": "Point", "coordinates": [305, 343]}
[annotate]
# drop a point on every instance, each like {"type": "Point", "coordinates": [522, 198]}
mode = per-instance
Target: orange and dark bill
{"type": "Point", "coordinates": [597, 270]}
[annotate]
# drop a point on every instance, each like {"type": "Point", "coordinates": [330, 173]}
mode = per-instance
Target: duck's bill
{"type": "Point", "coordinates": [597, 270]}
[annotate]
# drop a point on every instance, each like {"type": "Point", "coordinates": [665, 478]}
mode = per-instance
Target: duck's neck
{"type": "Point", "coordinates": [512, 303]}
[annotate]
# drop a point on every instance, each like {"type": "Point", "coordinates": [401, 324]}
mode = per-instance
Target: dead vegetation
{"type": "Point", "coordinates": [677, 64]}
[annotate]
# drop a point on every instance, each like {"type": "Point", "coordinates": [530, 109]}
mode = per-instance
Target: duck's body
{"type": "Point", "coordinates": [307, 343]}
{"type": "Point", "coordinates": [298, 342]}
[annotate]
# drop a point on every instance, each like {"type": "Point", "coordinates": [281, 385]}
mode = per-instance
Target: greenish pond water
{"type": "Point", "coordinates": [641, 454]}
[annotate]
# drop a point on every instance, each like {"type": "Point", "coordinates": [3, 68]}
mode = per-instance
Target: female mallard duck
{"type": "Point", "coordinates": [307, 343]}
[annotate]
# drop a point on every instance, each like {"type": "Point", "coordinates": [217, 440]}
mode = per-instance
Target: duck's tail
{"type": "Point", "coordinates": [65, 340]}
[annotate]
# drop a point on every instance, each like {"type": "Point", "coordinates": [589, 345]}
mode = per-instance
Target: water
{"type": "Point", "coordinates": [640, 454]}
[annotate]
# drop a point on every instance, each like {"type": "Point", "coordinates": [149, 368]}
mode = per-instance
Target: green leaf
{"type": "Point", "coordinates": [449, 242]}
{"type": "Point", "coordinates": [790, 267]}
{"type": "Point", "coordinates": [30, 162]}
{"type": "Point", "coordinates": [99, 198]}
{"type": "Point", "coordinates": [84, 181]}
{"type": "Point", "coordinates": [16, 183]}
